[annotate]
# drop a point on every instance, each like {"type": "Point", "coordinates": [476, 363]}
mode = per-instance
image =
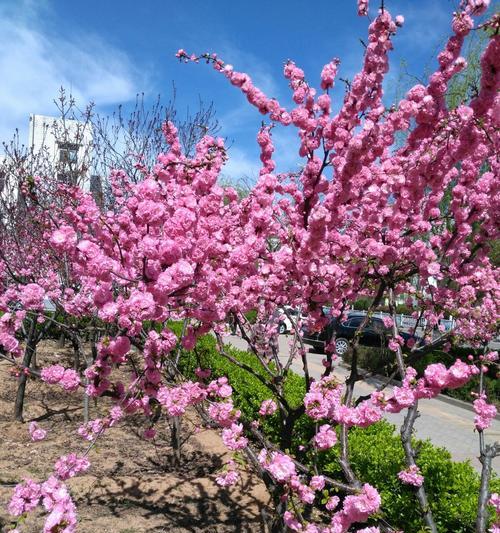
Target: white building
{"type": "Point", "coordinates": [66, 145]}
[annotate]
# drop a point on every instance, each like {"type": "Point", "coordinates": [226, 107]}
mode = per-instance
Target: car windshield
{"type": "Point", "coordinates": [376, 324]}
{"type": "Point", "coordinates": [354, 322]}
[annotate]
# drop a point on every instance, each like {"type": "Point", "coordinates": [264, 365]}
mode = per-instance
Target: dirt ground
{"type": "Point", "coordinates": [132, 485]}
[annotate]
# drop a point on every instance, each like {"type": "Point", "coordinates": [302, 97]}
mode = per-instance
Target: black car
{"type": "Point", "coordinates": [374, 333]}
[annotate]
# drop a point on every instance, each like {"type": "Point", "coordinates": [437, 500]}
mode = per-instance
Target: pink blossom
{"type": "Point", "coordinates": [91, 429]}
{"type": "Point", "coordinates": [316, 406]}
{"type": "Point", "coordinates": [149, 433]}
{"type": "Point", "coordinates": [233, 437]}
{"type": "Point", "coordinates": [116, 414]}
{"type": "Point", "coordinates": [388, 322]}
{"type": "Point", "coordinates": [411, 476]}
{"type": "Point", "coordinates": [68, 466]}
{"type": "Point", "coordinates": [9, 342]}
{"type": "Point", "coordinates": [495, 501]}
{"type": "Point", "coordinates": [305, 493]}
{"type": "Point", "coordinates": [325, 438]}
{"type": "Point", "coordinates": [291, 521]}
{"type": "Point", "coordinates": [485, 413]}
{"type": "Point", "coordinates": [57, 501]}
{"type": "Point", "coordinates": [332, 503]}
{"type": "Point", "coordinates": [202, 373]}
{"type": "Point", "coordinates": [52, 374]}
{"type": "Point", "coordinates": [267, 407]}
{"type": "Point", "coordinates": [25, 498]}
{"type": "Point", "coordinates": [64, 238]}
{"type": "Point", "coordinates": [458, 374]}
{"type": "Point", "coordinates": [317, 483]}
{"type": "Point", "coordinates": [280, 466]}
{"type": "Point", "coordinates": [436, 375]}
{"type": "Point", "coordinates": [404, 396]}
{"type": "Point", "coordinates": [362, 8]}
{"type": "Point", "coordinates": [70, 380]}
{"type": "Point", "coordinates": [357, 508]}
{"type": "Point", "coordinates": [32, 296]}
{"type": "Point", "coordinates": [36, 432]}
{"type": "Point", "coordinates": [328, 74]}
{"type": "Point", "coordinates": [224, 413]}
{"type": "Point", "coordinates": [227, 479]}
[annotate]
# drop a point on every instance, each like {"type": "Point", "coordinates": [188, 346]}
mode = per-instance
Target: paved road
{"type": "Point", "coordinates": [447, 425]}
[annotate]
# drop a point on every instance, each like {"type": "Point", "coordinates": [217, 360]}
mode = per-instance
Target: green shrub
{"type": "Point", "coordinates": [251, 316]}
{"type": "Point", "coordinates": [377, 456]}
{"type": "Point", "coordinates": [376, 452]}
{"type": "Point", "coordinates": [403, 309]}
{"type": "Point", "coordinates": [382, 361]}
{"type": "Point", "coordinates": [362, 304]}
{"type": "Point", "coordinates": [491, 383]}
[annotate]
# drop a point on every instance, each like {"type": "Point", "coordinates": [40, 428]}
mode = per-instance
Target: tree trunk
{"type": "Point", "coordinates": [29, 352]}
{"type": "Point", "coordinates": [175, 439]}
{"type": "Point", "coordinates": [62, 340]}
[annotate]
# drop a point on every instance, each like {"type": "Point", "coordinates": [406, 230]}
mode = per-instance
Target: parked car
{"type": "Point", "coordinates": [285, 324]}
{"type": "Point", "coordinates": [374, 333]}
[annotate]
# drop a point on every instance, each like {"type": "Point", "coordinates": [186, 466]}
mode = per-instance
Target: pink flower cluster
{"type": "Point", "coordinates": [90, 430]}
{"type": "Point", "coordinates": [67, 378]}
{"type": "Point", "coordinates": [267, 408]}
{"type": "Point", "coordinates": [485, 413]}
{"type": "Point", "coordinates": [439, 377]}
{"type": "Point", "coordinates": [325, 438]}
{"type": "Point", "coordinates": [233, 437]}
{"type": "Point", "coordinates": [25, 498]}
{"type": "Point", "coordinates": [176, 245]}
{"type": "Point", "coordinates": [36, 432]}
{"type": "Point", "coordinates": [55, 498]}
{"type": "Point", "coordinates": [229, 476]}
{"type": "Point", "coordinates": [362, 8]}
{"type": "Point", "coordinates": [57, 501]}
{"type": "Point", "coordinates": [280, 466]}
{"type": "Point", "coordinates": [436, 377]}
{"type": "Point", "coordinates": [70, 465]}
{"type": "Point", "coordinates": [411, 476]}
{"type": "Point", "coordinates": [357, 508]}
{"type": "Point", "coordinates": [224, 413]}
{"type": "Point", "coordinates": [495, 502]}
{"type": "Point", "coordinates": [32, 296]}
{"type": "Point", "coordinates": [177, 399]}
{"type": "Point", "coordinates": [324, 401]}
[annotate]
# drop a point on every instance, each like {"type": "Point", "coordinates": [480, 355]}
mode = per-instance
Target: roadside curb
{"type": "Point", "coordinates": [442, 397]}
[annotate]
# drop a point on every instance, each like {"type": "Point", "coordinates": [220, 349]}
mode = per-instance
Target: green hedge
{"type": "Point", "coordinates": [491, 383]}
{"type": "Point", "coordinates": [377, 456]}
{"type": "Point", "coordinates": [376, 452]}
{"type": "Point", "coordinates": [382, 361]}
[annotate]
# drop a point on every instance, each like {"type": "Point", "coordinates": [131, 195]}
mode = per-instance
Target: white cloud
{"type": "Point", "coordinates": [241, 166]}
{"type": "Point", "coordinates": [34, 64]}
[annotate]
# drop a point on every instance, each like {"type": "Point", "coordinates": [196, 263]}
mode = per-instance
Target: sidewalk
{"type": "Point", "coordinates": [446, 424]}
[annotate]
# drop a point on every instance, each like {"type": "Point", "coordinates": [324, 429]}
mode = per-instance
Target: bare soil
{"type": "Point", "coordinates": [132, 485]}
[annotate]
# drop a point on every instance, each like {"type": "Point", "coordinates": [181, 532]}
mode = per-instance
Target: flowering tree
{"type": "Point", "coordinates": [362, 217]}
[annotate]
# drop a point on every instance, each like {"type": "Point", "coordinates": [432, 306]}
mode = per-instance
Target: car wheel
{"type": "Point", "coordinates": [281, 328]}
{"type": "Point", "coordinates": [341, 346]}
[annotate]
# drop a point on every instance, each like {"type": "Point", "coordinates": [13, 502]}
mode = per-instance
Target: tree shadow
{"type": "Point", "coordinates": [184, 506]}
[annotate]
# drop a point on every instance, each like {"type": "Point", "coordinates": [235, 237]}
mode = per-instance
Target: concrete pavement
{"type": "Point", "coordinates": [446, 425]}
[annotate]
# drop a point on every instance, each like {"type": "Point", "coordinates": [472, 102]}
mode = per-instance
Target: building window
{"type": "Point", "coordinates": [68, 153]}
{"type": "Point", "coordinates": [68, 177]}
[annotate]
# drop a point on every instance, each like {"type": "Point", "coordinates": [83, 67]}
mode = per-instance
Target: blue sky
{"type": "Point", "coordinates": [107, 51]}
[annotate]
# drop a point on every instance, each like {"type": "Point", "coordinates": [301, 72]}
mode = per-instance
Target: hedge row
{"type": "Point", "coordinates": [376, 452]}
{"type": "Point", "coordinates": [382, 361]}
